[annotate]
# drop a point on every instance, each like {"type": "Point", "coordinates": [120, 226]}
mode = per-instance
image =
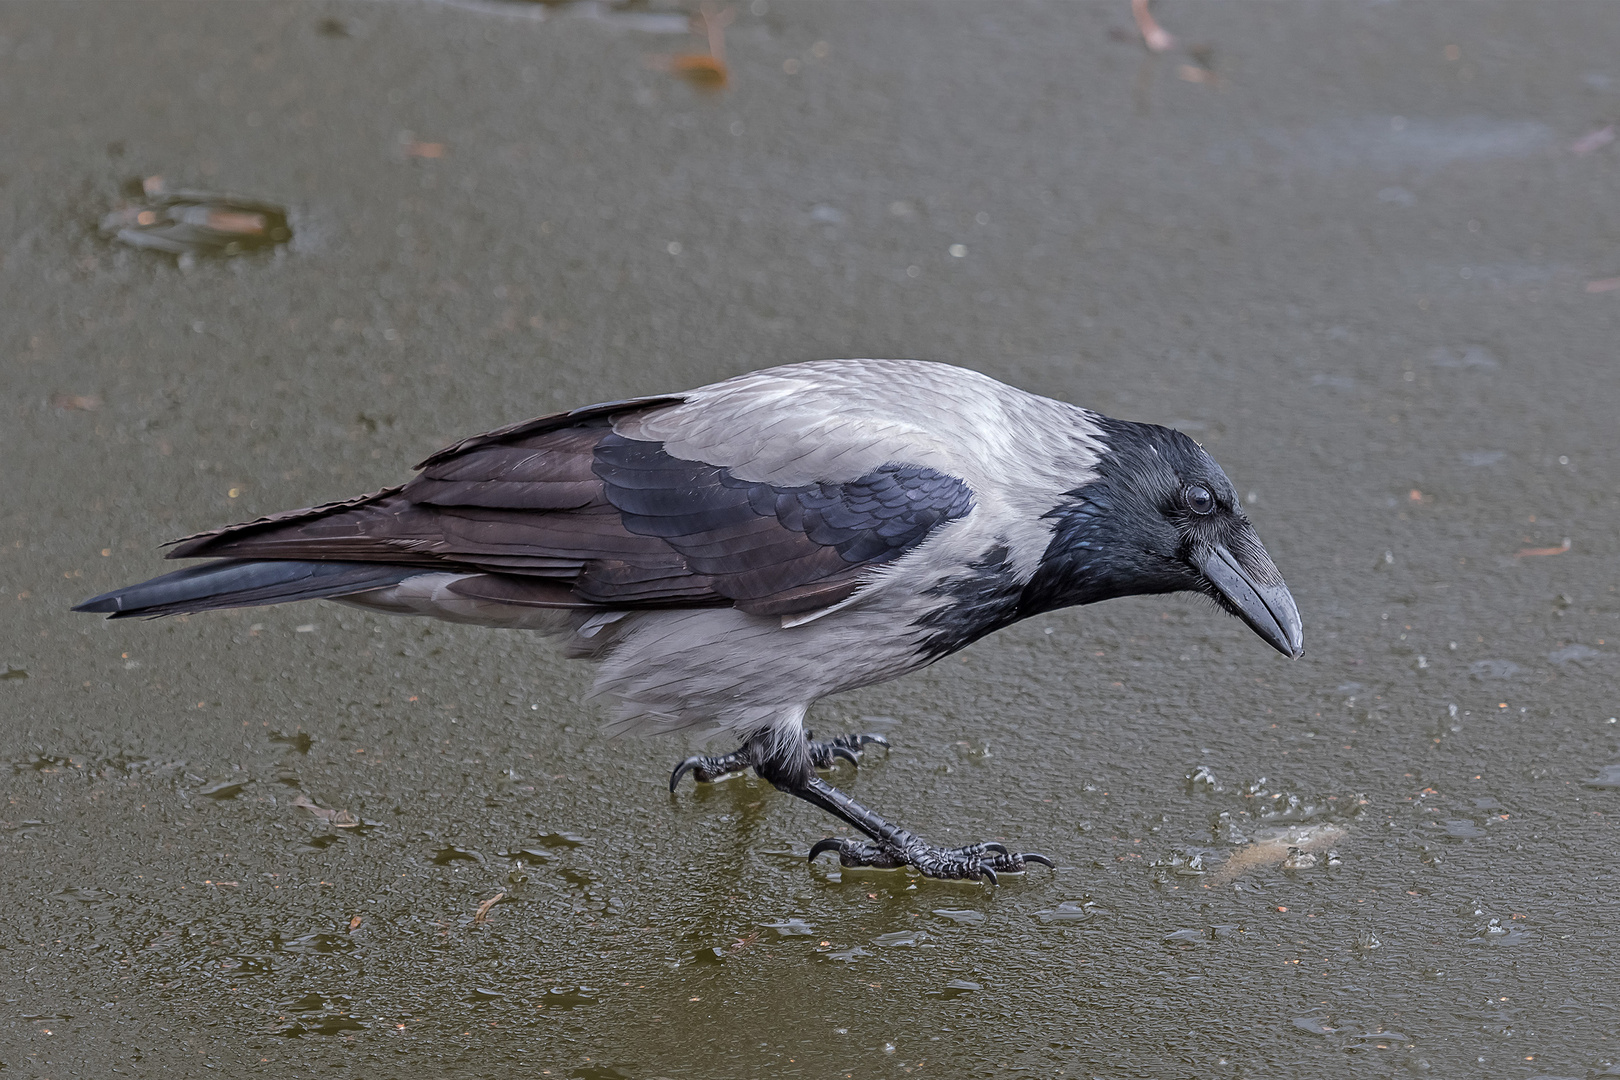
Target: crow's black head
{"type": "Point", "coordinates": [1161, 517]}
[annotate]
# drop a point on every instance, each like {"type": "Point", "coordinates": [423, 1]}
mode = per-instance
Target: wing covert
{"type": "Point", "coordinates": [758, 540]}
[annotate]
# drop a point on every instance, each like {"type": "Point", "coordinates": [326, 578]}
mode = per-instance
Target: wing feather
{"type": "Point", "coordinates": [563, 511]}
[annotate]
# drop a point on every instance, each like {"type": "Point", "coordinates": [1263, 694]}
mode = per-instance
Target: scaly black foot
{"type": "Point", "coordinates": [955, 864]}
{"type": "Point", "coordinates": [706, 769]}
{"type": "Point", "coordinates": [848, 747]}
{"type": "Point", "coordinates": [890, 847]}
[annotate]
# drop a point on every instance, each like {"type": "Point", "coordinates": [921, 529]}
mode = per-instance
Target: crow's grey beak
{"type": "Point", "coordinates": [1255, 592]}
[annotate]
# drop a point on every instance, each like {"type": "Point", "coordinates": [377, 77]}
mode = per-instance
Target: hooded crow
{"type": "Point", "coordinates": [732, 554]}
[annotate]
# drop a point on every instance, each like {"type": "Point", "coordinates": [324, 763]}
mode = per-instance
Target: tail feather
{"type": "Point", "coordinates": [233, 583]}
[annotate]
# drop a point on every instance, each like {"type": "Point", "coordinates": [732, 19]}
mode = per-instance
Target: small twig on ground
{"type": "Point", "coordinates": [1154, 36]}
{"type": "Point", "coordinates": [483, 909]}
{"type": "Point", "coordinates": [1592, 141]}
{"type": "Point", "coordinates": [1530, 553]}
{"type": "Point", "coordinates": [715, 20]}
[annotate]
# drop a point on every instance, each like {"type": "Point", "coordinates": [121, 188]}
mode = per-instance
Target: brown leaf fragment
{"type": "Point", "coordinates": [1603, 285]}
{"type": "Point", "coordinates": [706, 71]}
{"type": "Point", "coordinates": [238, 222]}
{"type": "Point", "coordinates": [699, 69]}
{"type": "Point", "coordinates": [1276, 850]}
{"type": "Point", "coordinates": [197, 223]}
{"type": "Point", "coordinates": [76, 402]}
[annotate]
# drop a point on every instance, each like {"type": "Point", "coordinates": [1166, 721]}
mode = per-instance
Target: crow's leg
{"type": "Point", "coordinates": [789, 769]}
{"type": "Point", "coordinates": [706, 769]}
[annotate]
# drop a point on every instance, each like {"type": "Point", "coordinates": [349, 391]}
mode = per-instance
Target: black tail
{"type": "Point", "coordinates": [232, 583]}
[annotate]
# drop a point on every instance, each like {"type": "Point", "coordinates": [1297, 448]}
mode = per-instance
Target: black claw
{"type": "Point", "coordinates": [991, 845]}
{"type": "Point", "coordinates": [832, 843]}
{"type": "Point", "coordinates": [681, 770]}
{"type": "Point", "coordinates": [989, 874]}
{"type": "Point", "coordinates": [823, 753]}
{"type": "Point", "coordinates": [1030, 856]}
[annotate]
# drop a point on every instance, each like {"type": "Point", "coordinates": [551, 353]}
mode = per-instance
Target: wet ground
{"type": "Point", "coordinates": [1366, 252]}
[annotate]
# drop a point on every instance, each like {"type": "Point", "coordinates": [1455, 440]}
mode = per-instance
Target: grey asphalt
{"type": "Point", "coordinates": [1366, 252]}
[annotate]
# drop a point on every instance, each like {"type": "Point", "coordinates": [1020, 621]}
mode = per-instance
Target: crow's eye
{"type": "Point", "coordinates": [1199, 500]}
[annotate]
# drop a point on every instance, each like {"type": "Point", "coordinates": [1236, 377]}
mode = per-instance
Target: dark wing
{"type": "Point", "coordinates": [774, 550]}
{"type": "Point", "coordinates": [564, 512]}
